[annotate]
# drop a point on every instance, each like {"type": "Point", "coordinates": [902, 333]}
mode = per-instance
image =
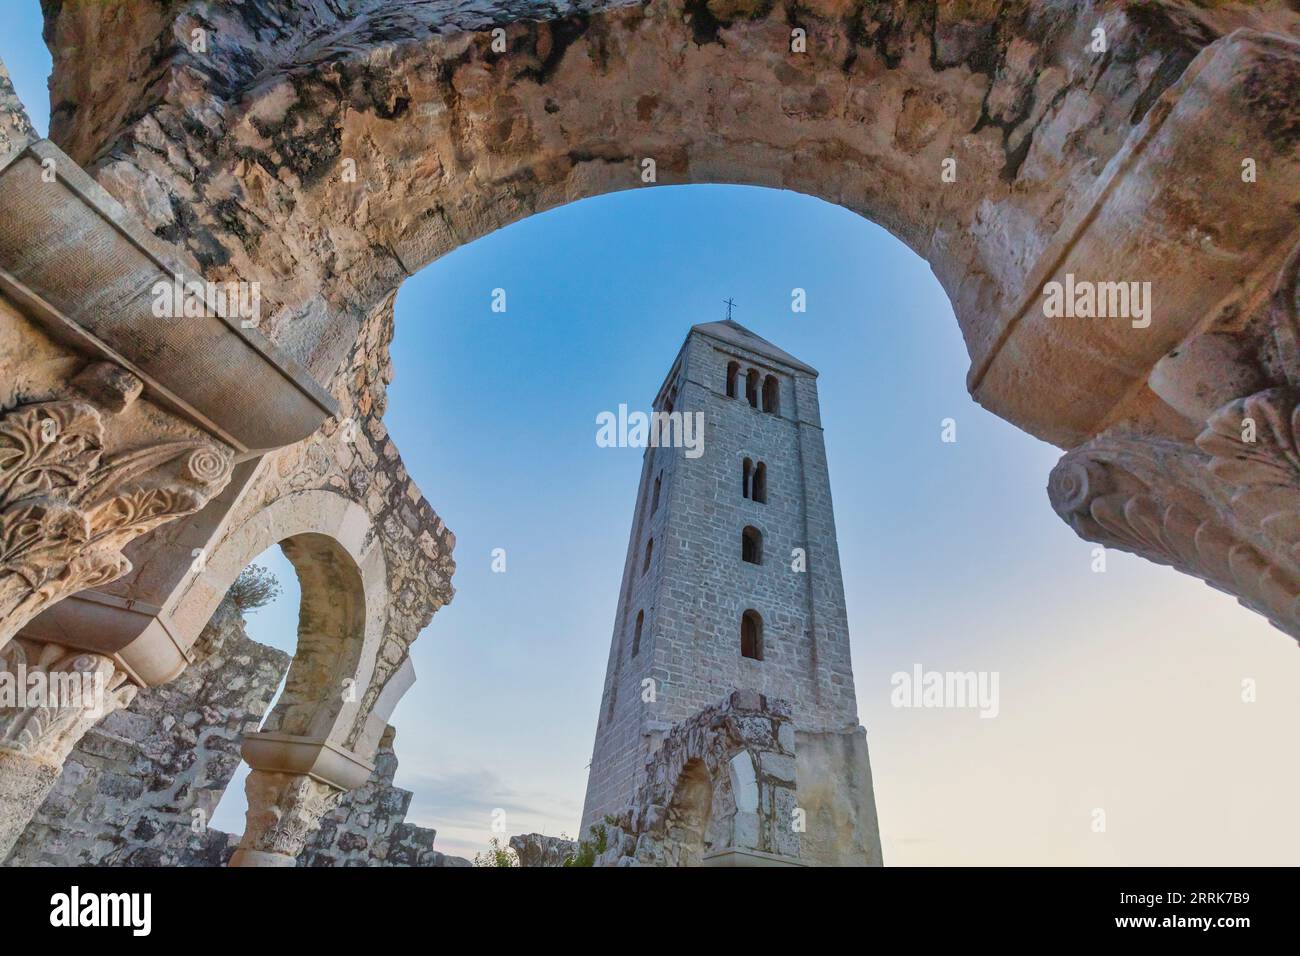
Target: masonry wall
{"type": "Point", "coordinates": [697, 587]}
{"type": "Point", "coordinates": [140, 787]}
{"type": "Point", "coordinates": [369, 828]}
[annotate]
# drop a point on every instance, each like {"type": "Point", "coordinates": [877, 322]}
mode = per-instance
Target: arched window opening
{"type": "Point", "coordinates": [751, 636]}
{"type": "Point", "coordinates": [636, 635]}
{"type": "Point", "coordinates": [751, 387]}
{"type": "Point", "coordinates": [746, 477]}
{"type": "Point", "coordinates": [759, 485]}
{"type": "Point", "coordinates": [649, 550]}
{"type": "Point", "coordinates": [733, 372]}
{"type": "Point", "coordinates": [771, 395]}
{"type": "Point", "coordinates": [654, 501]}
{"type": "Point", "coordinates": [751, 545]}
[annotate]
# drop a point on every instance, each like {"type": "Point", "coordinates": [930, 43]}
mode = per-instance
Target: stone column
{"type": "Point", "coordinates": [284, 810]}
{"type": "Point", "coordinates": [49, 697]}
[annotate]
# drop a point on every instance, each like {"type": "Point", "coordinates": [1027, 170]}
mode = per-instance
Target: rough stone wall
{"type": "Point", "coordinates": [697, 587]}
{"type": "Point", "coordinates": [736, 784]}
{"type": "Point", "coordinates": [128, 793]}
{"type": "Point", "coordinates": [369, 828]}
{"type": "Point", "coordinates": [353, 456]}
{"type": "Point", "coordinates": [724, 779]}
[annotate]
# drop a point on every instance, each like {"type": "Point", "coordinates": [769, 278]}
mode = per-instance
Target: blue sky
{"type": "Point", "coordinates": [1119, 690]}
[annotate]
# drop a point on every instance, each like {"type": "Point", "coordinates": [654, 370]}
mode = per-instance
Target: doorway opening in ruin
{"type": "Point", "coordinates": [273, 624]}
{"type": "Point", "coordinates": [690, 813]}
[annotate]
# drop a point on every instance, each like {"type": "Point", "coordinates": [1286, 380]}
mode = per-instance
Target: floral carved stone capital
{"type": "Point", "coordinates": [67, 509]}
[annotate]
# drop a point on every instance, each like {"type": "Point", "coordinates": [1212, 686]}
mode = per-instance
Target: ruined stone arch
{"type": "Point", "coordinates": [329, 151]}
{"type": "Point", "coordinates": [341, 570]}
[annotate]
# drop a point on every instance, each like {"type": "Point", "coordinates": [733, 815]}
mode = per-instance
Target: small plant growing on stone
{"type": "Point", "coordinates": [255, 587]}
{"type": "Point", "coordinates": [588, 850]}
{"type": "Point", "coordinates": [496, 855]}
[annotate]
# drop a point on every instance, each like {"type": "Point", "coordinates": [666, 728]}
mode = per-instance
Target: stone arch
{"type": "Point", "coordinates": [343, 579]}
{"type": "Point", "coordinates": [330, 151]}
{"type": "Point", "coordinates": [450, 139]}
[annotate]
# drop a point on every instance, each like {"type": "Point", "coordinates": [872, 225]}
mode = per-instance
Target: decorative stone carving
{"type": "Point", "coordinates": [1228, 517]}
{"type": "Point", "coordinates": [67, 510]}
{"type": "Point", "coordinates": [284, 810]}
{"type": "Point", "coordinates": [49, 729]}
{"type": "Point", "coordinates": [49, 697]}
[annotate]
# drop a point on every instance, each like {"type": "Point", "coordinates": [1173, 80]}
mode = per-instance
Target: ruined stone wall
{"type": "Point", "coordinates": [139, 784]}
{"type": "Point", "coordinates": [140, 787]}
{"type": "Point", "coordinates": [722, 780]}
{"type": "Point", "coordinates": [736, 785]}
{"type": "Point", "coordinates": [538, 849]}
{"type": "Point", "coordinates": [369, 828]}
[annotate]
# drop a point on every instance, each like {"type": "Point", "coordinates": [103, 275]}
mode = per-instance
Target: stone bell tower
{"type": "Point", "coordinates": [732, 577]}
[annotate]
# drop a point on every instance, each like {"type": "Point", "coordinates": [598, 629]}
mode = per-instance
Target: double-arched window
{"type": "Point", "coordinates": [760, 391]}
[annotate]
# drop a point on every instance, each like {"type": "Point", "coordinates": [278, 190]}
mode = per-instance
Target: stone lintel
{"type": "Point", "coordinates": [319, 759]}
{"type": "Point", "coordinates": [74, 260]}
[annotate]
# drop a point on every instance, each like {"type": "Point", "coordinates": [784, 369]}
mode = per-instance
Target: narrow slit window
{"type": "Point", "coordinates": [751, 636]}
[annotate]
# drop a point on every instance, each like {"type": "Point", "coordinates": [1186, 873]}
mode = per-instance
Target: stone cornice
{"type": "Point", "coordinates": [75, 261]}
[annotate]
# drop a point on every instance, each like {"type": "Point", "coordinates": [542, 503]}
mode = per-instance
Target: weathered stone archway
{"type": "Point", "coordinates": [319, 740]}
{"type": "Point", "coordinates": [327, 150]}
{"type": "Point", "coordinates": [330, 150]}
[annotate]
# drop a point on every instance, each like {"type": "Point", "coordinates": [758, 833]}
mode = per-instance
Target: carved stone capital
{"type": "Point", "coordinates": [1226, 509]}
{"type": "Point", "coordinates": [284, 810]}
{"type": "Point", "coordinates": [49, 697]}
{"type": "Point", "coordinates": [67, 509]}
